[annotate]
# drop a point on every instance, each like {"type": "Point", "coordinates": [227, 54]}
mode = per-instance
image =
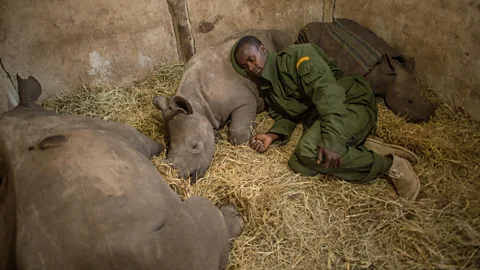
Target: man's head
{"type": "Point", "coordinates": [251, 55]}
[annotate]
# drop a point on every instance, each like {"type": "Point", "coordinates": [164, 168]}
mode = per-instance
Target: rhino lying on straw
{"type": "Point", "coordinates": [81, 193]}
{"type": "Point", "coordinates": [357, 50]}
{"type": "Point", "coordinates": [211, 93]}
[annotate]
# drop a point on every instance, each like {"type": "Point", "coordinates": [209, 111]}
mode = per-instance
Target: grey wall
{"type": "Point", "coordinates": [63, 43]}
{"type": "Point", "coordinates": [442, 35]}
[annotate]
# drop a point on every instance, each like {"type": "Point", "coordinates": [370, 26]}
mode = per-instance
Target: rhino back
{"type": "Point", "coordinates": [86, 194]}
{"type": "Point", "coordinates": [354, 48]}
{"type": "Point", "coordinates": [7, 218]}
{"type": "Point", "coordinates": [212, 85]}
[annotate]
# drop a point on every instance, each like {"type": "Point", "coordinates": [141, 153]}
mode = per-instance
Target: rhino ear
{"type": "Point", "coordinates": [386, 65]}
{"type": "Point", "coordinates": [180, 105]}
{"type": "Point", "coordinates": [161, 103]}
{"type": "Point", "coordinates": [29, 90]}
{"type": "Point", "coordinates": [409, 64]}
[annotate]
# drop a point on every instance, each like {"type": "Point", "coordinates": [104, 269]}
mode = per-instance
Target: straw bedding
{"type": "Point", "coordinates": [296, 222]}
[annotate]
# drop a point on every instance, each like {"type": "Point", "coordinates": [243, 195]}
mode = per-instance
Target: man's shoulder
{"type": "Point", "coordinates": [299, 50]}
{"type": "Point", "coordinates": [303, 57]}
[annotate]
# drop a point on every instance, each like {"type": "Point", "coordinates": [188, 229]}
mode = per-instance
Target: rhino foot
{"type": "Point", "coordinates": [233, 220]}
{"type": "Point", "coordinates": [217, 136]}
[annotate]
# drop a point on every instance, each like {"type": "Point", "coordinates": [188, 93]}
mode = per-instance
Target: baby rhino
{"type": "Point", "coordinates": [211, 93]}
{"type": "Point", "coordinates": [357, 50]}
{"type": "Point", "coordinates": [81, 193]}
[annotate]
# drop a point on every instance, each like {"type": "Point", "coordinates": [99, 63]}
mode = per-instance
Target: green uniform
{"type": "Point", "coordinates": [338, 112]}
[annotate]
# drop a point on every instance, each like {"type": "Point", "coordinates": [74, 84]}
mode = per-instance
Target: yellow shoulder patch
{"type": "Point", "coordinates": [305, 58]}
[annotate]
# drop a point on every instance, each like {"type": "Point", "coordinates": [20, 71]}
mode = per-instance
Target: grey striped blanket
{"type": "Point", "coordinates": [354, 48]}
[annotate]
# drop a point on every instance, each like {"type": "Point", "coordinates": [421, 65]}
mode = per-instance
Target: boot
{"type": "Point", "coordinates": [384, 149]}
{"type": "Point", "coordinates": [405, 180]}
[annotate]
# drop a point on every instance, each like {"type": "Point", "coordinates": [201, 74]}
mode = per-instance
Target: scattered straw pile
{"type": "Point", "coordinates": [319, 222]}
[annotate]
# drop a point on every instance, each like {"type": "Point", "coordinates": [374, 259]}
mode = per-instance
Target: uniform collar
{"type": "Point", "coordinates": [270, 69]}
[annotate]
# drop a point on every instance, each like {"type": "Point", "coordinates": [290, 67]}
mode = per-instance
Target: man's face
{"type": "Point", "coordinates": [252, 59]}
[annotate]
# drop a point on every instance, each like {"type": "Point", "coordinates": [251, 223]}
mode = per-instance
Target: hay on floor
{"type": "Point", "coordinates": [296, 222]}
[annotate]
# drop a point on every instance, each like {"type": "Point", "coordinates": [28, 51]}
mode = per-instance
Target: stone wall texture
{"type": "Point", "coordinates": [65, 42]}
{"type": "Point", "coordinates": [442, 35]}
{"type": "Point", "coordinates": [213, 21]}
{"type": "Point", "coordinates": [62, 42]}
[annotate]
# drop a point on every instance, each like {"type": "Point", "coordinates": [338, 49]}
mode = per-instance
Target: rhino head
{"type": "Point", "coordinates": [189, 137]}
{"type": "Point", "coordinates": [395, 82]}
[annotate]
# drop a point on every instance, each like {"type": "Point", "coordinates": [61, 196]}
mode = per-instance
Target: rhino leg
{"type": "Point", "coordinates": [194, 237]}
{"type": "Point", "coordinates": [233, 220]}
{"type": "Point", "coordinates": [153, 148]}
{"type": "Point", "coordinates": [239, 131]}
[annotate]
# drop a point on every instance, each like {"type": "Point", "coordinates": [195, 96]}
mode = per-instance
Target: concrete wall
{"type": "Point", "coordinates": [214, 20]}
{"type": "Point", "coordinates": [65, 42]}
{"type": "Point", "coordinates": [61, 42]}
{"type": "Point", "coordinates": [442, 35]}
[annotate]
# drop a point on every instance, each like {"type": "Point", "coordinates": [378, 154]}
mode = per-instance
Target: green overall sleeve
{"type": "Point", "coordinates": [319, 84]}
{"type": "Point", "coordinates": [282, 126]}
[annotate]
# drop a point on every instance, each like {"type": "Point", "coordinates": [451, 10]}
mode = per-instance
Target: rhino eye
{"type": "Point", "coordinates": [409, 101]}
{"type": "Point", "coordinates": [196, 146]}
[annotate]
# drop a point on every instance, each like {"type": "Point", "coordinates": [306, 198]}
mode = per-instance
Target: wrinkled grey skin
{"type": "Point", "coordinates": [210, 94]}
{"type": "Point", "coordinates": [81, 193]}
{"type": "Point", "coordinates": [394, 81]}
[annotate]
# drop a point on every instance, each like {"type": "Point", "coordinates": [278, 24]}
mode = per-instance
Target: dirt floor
{"type": "Point", "coordinates": [296, 222]}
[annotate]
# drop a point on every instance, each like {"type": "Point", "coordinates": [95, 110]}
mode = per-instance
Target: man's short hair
{"type": "Point", "coordinates": [250, 40]}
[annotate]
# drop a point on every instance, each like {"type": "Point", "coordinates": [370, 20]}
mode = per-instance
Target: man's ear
{"type": "Point", "coordinates": [262, 48]}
